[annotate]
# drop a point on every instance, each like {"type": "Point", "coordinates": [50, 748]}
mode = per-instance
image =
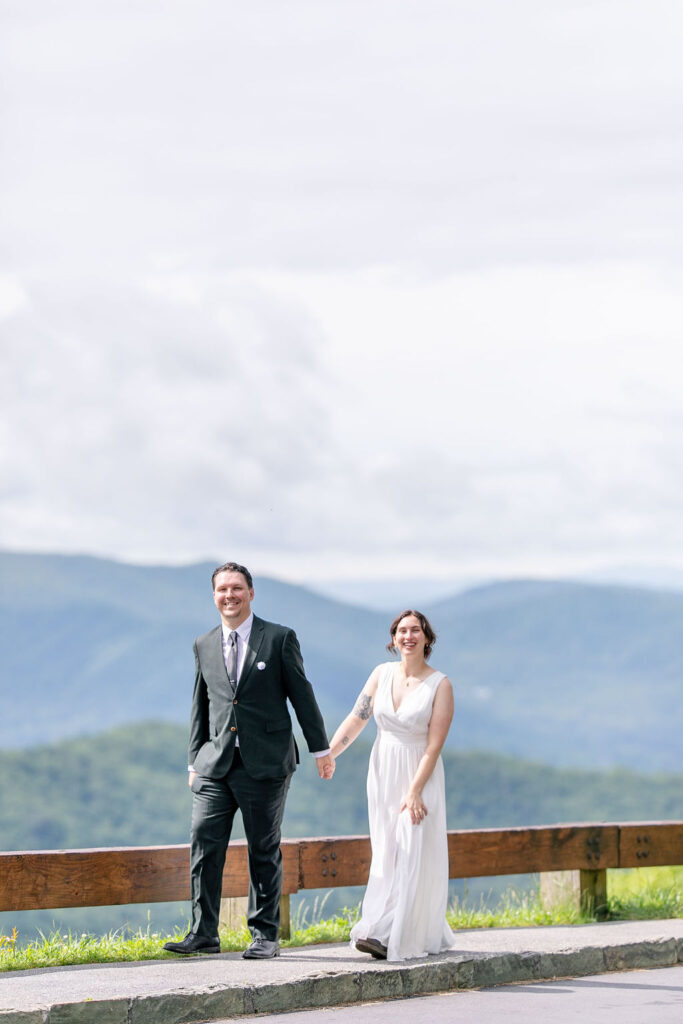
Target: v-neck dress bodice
{"type": "Point", "coordinates": [405, 902]}
{"type": "Point", "coordinates": [409, 723]}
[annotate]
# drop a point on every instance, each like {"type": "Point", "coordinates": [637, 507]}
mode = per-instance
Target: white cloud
{"type": "Point", "coordinates": [359, 417]}
{"type": "Point", "coordinates": [384, 283]}
{"type": "Point", "coordinates": [434, 134]}
{"type": "Point", "coordinates": [12, 296]}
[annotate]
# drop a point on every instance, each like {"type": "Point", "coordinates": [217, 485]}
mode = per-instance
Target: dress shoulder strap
{"type": "Point", "coordinates": [435, 679]}
{"type": "Point", "coordinates": [387, 672]}
{"type": "Point", "coordinates": [385, 676]}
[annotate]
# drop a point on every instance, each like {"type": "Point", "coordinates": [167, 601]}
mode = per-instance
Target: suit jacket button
{"type": "Point", "coordinates": [233, 728]}
{"type": "Point", "coordinates": [234, 702]}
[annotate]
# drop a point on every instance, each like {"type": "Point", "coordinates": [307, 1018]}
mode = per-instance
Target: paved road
{"type": "Point", "coordinates": [634, 997]}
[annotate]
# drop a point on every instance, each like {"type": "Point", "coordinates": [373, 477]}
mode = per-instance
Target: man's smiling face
{"type": "Point", "coordinates": [232, 597]}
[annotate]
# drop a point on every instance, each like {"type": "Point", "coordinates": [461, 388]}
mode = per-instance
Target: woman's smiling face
{"type": "Point", "coordinates": [409, 637]}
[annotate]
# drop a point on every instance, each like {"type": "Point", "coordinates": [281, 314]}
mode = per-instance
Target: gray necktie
{"type": "Point", "coordinates": [232, 659]}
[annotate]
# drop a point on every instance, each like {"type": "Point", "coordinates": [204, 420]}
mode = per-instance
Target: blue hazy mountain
{"type": "Point", "coordinates": [87, 643]}
{"type": "Point", "coordinates": [567, 673]}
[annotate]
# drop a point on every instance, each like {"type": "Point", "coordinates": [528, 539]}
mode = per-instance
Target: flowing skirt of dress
{"type": "Point", "coordinates": [407, 894]}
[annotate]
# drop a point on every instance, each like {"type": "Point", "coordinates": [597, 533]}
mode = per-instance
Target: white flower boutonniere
{"type": "Point", "coordinates": [261, 665]}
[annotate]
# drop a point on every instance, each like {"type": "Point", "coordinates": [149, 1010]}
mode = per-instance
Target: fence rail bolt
{"type": "Point", "coordinates": [593, 848]}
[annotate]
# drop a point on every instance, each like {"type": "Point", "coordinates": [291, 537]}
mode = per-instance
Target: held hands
{"type": "Point", "coordinates": [414, 805]}
{"type": "Point", "coordinates": [190, 777]}
{"type": "Point", "coordinates": [325, 766]}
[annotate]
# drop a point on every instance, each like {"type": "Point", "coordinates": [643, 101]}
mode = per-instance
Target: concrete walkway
{"type": "Point", "coordinates": [225, 986]}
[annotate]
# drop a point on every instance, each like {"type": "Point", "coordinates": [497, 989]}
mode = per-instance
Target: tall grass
{"type": "Point", "coordinates": [639, 894]}
{"type": "Point", "coordinates": [320, 929]}
{"type": "Point", "coordinates": [513, 910]}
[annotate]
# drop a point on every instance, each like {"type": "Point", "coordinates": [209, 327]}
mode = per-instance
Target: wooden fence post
{"type": "Point", "coordinates": [593, 892]}
{"type": "Point", "coordinates": [584, 889]}
{"type": "Point", "coordinates": [233, 913]}
{"type": "Point", "coordinates": [285, 920]}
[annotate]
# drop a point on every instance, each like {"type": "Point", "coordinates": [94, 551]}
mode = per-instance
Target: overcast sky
{"type": "Point", "coordinates": [343, 288]}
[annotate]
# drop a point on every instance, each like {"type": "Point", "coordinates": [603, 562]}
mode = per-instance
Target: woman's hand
{"type": "Point", "coordinates": [325, 766]}
{"type": "Point", "coordinates": [414, 805]}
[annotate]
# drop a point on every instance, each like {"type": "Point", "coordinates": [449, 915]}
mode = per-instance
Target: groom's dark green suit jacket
{"type": "Point", "coordinates": [272, 673]}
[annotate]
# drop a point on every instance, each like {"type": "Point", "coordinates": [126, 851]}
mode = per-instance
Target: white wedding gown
{"type": "Point", "coordinates": [405, 901]}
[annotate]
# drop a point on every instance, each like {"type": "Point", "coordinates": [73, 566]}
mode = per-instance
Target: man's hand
{"type": "Point", "coordinates": [325, 766]}
{"type": "Point", "coordinates": [190, 777]}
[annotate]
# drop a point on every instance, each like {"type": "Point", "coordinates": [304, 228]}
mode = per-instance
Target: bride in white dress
{"type": "Point", "coordinates": [404, 909]}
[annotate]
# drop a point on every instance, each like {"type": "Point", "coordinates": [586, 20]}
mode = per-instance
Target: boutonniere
{"type": "Point", "coordinates": [261, 665]}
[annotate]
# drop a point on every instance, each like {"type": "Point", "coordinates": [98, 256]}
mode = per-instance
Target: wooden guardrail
{"type": "Point", "coordinates": [153, 874]}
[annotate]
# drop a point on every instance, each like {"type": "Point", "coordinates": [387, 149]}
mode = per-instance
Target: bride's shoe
{"type": "Point", "coordinates": [373, 947]}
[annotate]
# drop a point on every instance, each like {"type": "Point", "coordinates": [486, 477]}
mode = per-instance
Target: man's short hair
{"type": "Point", "coordinates": [233, 567]}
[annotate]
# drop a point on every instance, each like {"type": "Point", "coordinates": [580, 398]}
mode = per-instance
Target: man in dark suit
{"type": "Point", "coordinates": [242, 755]}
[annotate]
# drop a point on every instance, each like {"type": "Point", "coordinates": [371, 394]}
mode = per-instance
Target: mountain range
{"type": "Point", "coordinates": [567, 673]}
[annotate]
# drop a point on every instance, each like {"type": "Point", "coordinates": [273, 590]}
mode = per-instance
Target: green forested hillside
{"type": "Point", "coordinates": [128, 787]}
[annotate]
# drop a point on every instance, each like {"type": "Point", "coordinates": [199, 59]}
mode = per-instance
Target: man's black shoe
{"type": "Point", "coordinates": [194, 944]}
{"type": "Point", "coordinates": [262, 949]}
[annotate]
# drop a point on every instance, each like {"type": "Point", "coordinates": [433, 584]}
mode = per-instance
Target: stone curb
{"type": "Point", "coordinates": [339, 988]}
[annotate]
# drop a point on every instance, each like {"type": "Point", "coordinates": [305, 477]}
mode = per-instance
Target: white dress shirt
{"type": "Point", "coordinates": [243, 633]}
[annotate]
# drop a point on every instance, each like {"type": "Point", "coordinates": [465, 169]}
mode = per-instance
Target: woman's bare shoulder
{"type": "Point", "coordinates": [444, 685]}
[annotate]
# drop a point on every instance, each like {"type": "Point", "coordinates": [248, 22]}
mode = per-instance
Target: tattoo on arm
{"type": "Point", "coordinates": [345, 740]}
{"type": "Point", "coordinates": [363, 708]}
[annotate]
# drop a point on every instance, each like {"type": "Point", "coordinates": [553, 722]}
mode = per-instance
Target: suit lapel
{"type": "Point", "coordinates": [217, 661]}
{"type": "Point", "coordinates": [255, 639]}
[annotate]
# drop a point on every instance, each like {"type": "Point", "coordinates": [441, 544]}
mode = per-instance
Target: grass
{"type": "Point", "coordinates": [641, 894]}
{"type": "Point", "coordinates": [58, 950]}
{"type": "Point", "coordinates": [320, 928]}
{"type": "Point", "coordinates": [636, 894]}
{"type": "Point", "coordinates": [515, 910]}
{"type": "Point", "coordinates": [62, 949]}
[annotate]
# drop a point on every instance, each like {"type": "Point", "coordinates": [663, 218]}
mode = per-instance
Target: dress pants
{"type": "Point", "coordinates": [214, 804]}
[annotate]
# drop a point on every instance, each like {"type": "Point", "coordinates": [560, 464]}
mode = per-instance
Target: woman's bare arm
{"type": "Point", "coordinates": [355, 722]}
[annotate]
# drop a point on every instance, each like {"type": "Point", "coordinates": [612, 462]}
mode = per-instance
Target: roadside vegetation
{"type": "Point", "coordinates": [632, 895]}
{"type": "Point", "coordinates": [641, 894]}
